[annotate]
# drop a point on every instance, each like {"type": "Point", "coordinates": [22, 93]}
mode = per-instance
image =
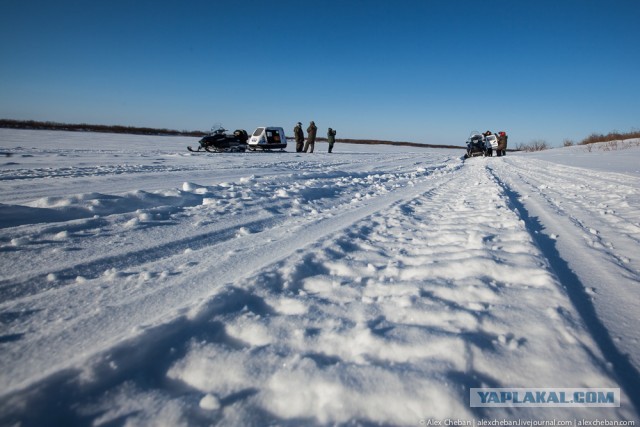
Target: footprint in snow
{"type": "Point", "coordinates": [510, 341]}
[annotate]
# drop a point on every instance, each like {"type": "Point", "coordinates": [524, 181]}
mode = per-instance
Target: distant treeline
{"type": "Point", "coordinates": [611, 136]}
{"type": "Point", "coordinates": [83, 127]}
{"type": "Point", "coordinates": [32, 124]}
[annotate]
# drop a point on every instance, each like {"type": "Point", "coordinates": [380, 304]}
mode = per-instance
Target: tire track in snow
{"type": "Point", "coordinates": [607, 219]}
{"type": "Point", "coordinates": [112, 321]}
{"type": "Point", "coordinates": [31, 281]}
{"type": "Point", "coordinates": [588, 197]}
{"type": "Point", "coordinates": [136, 177]}
{"type": "Point", "coordinates": [577, 197]}
{"type": "Point", "coordinates": [541, 218]}
{"type": "Point", "coordinates": [429, 295]}
{"type": "Point", "coordinates": [21, 289]}
{"type": "Point", "coordinates": [416, 293]}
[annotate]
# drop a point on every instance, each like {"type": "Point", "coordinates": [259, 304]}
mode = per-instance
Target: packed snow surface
{"type": "Point", "coordinates": [142, 284]}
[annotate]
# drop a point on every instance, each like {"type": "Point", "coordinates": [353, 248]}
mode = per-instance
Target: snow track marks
{"type": "Point", "coordinates": [430, 285]}
{"type": "Point", "coordinates": [387, 294]}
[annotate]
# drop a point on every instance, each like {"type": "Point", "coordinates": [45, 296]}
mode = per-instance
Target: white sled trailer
{"type": "Point", "coordinates": [492, 141]}
{"type": "Point", "coordinates": [268, 138]}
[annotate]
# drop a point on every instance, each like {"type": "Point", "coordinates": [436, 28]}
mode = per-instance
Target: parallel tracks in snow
{"type": "Point", "coordinates": [588, 245]}
{"type": "Point", "coordinates": [176, 279]}
{"type": "Point", "coordinates": [470, 274]}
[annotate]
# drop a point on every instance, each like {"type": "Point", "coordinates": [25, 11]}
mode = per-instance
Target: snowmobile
{"type": "Point", "coordinates": [476, 145]}
{"type": "Point", "coordinates": [219, 142]}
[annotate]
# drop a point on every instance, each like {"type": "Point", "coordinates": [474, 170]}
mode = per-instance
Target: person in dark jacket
{"type": "Point", "coordinates": [311, 137]}
{"type": "Point", "coordinates": [331, 138]}
{"type": "Point", "coordinates": [502, 144]}
{"type": "Point", "coordinates": [299, 137]}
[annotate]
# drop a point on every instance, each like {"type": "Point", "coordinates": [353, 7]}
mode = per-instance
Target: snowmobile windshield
{"type": "Point", "coordinates": [217, 128]}
{"type": "Point", "coordinates": [475, 138]}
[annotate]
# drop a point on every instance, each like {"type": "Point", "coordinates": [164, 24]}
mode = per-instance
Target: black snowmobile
{"type": "Point", "coordinates": [476, 145]}
{"type": "Point", "coordinates": [219, 142]}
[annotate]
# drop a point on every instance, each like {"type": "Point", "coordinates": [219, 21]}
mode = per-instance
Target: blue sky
{"type": "Point", "coordinates": [423, 71]}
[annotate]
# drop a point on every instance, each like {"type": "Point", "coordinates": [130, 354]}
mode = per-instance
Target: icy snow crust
{"type": "Point", "coordinates": [145, 285]}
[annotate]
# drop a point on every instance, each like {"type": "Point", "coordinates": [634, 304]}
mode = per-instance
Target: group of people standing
{"type": "Point", "coordinates": [501, 150]}
{"type": "Point", "coordinates": [301, 146]}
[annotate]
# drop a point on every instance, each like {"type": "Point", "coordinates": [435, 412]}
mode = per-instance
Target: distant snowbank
{"type": "Point", "coordinates": [614, 156]}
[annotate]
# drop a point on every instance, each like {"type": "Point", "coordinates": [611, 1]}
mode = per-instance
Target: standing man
{"type": "Point", "coordinates": [311, 137]}
{"type": "Point", "coordinates": [331, 138]}
{"type": "Point", "coordinates": [299, 137]}
{"type": "Point", "coordinates": [502, 144]}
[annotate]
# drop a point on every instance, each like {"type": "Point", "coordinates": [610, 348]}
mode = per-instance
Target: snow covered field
{"type": "Point", "coordinates": [145, 285]}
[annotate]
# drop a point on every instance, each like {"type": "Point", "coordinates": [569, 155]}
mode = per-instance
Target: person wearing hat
{"type": "Point", "coordinates": [311, 137]}
{"type": "Point", "coordinates": [299, 137]}
{"type": "Point", "coordinates": [502, 143]}
{"type": "Point", "coordinates": [331, 138]}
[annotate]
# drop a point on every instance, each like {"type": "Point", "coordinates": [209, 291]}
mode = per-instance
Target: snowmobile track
{"type": "Point", "coordinates": [405, 278]}
{"type": "Point", "coordinates": [627, 374]}
{"type": "Point", "coordinates": [188, 285]}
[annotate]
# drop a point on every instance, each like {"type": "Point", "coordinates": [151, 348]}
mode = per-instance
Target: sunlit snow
{"type": "Point", "coordinates": [147, 285]}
